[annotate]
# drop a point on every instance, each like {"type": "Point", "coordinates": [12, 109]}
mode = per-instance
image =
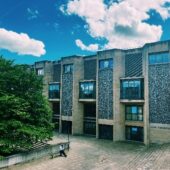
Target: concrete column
{"type": "Point", "coordinates": [47, 77]}
{"type": "Point", "coordinates": [146, 98]}
{"type": "Point", "coordinates": [60, 120]}
{"type": "Point", "coordinates": [97, 122]}
{"type": "Point", "coordinates": [77, 114]}
{"type": "Point", "coordinates": [118, 108]}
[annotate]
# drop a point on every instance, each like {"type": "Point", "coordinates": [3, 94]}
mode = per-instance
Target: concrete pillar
{"type": "Point", "coordinates": [77, 114]}
{"type": "Point", "coordinates": [97, 117]}
{"type": "Point", "coordinates": [146, 98]}
{"type": "Point", "coordinates": [60, 120]}
{"type": "Point", "coordinates": [118, 108]}
{"type": "Point", "coordinates": [47, 77]}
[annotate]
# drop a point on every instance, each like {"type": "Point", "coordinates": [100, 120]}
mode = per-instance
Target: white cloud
{"type": "Point", "coordinates": [91, 9]}
{"type": "Point", "coordinates": [20, 43]}
{"type": "Point", "coordinates": [32, 14]}
{"type": "Point", "coordinates": [62, 8]}
{"type": "Point", "coordinates": [146, 5]}
{"type": "Point", "coordinates": [122, 24]}
{"type": "Point", "coordinates": [91, 47]}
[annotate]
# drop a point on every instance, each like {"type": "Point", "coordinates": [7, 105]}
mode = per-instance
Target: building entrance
{"type": "Point", "coordinates": [90, 119]}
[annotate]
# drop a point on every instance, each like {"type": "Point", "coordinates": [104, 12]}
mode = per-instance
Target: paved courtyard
{"type": "Point", "coordinates": [91, 154]}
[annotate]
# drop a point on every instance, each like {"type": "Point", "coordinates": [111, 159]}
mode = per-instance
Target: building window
{"type": "Point", "coordinates": [68, 68]}
{"type": "Point", "coordinates": [134, 133]}
{"type": "Point", "coordinates": [40, 71]}
{"type": "Point", "coordinates": [159, 58]}
{"type": "Point", "coordinates": [89, 127]}
{"type": "Point", "coordinates": [87, 90]}
{"type": "Point", "coordinates": [56, 108]}
{"type": "Point", "coordinates": [132, 89]}
{"type": "Point", "coordinates": [108, 63]}
{"type": "Point", "coordinates": [54, 91]}
{"type": "Point", "coordinates": [134, 113]}
{"type": "Point", "coordinates": [90, 110]}
{"type": "Point", "coordinates": [56, 115]}
{"type": "Point", "coordinates": [106, 132]}
{"type": "Point", "coordinates": [66, 127]}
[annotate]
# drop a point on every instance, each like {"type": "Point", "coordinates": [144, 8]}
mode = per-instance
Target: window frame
{"type": "Point", "coordinates": [91, 94]}
{"type": "Point", "coordinates": [132, 89]}
{"type": "Point", "coordinates": [103, 62]}
{"type": "Point", "coordinates": [158, 58]}
{"type": "Point", "coordinates": [54, 93]}
{"type": "Point", "coordinates": [40, 71]}
{"type": "Point", "coordinates": [67, 68]}
{"type": "Point", "coordinates": [132, 116]}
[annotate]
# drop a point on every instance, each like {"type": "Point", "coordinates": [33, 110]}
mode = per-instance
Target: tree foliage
{"type": "Point", "coordinates": [25, 116]}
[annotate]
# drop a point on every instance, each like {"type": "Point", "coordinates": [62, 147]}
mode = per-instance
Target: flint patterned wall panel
{"type": "Point", "coordinates": [90, 69]}
{"type": "Point", "coordinates": [105, 93]}
{"type": "Point", "coordinates": [67, 94]}
{"type": "Point", "coordinates": [159, 93]}
{"type": "Point", "coordinates": [133, 65]}
{"type": "Point", "coordinates": [56, 72]}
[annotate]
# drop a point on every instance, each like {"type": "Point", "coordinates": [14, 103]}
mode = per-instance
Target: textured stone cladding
{"type": "Point", "coordinates": [56, 72]}
{"type": "Point", "coordinates": [159, 93]}
{"type": "Point", "coordinates": [67, 94]}
{"type": "Point", "coordinates": [105, 94]}
{"type": "Point", "coordinates": [90, 69]}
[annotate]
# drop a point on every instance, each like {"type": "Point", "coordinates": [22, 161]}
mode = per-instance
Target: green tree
{"type": "Point", "coordinates": [25, 115]}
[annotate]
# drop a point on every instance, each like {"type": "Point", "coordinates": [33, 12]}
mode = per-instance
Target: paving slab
{"type": "Point", "coordinates": [87, 153]}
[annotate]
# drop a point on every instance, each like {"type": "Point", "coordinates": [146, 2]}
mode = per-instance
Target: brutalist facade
{"type": "Point", "coordinates": [115, 94]}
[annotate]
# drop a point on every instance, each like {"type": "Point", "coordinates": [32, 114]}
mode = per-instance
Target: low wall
{"type": "Point", "coordinates": [30, 155]}
{"type": "Point", "coordinates": [159, 133]}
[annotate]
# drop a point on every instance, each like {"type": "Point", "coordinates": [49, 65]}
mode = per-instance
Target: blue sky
{"type": "Point", "coordinates": [32, 31]}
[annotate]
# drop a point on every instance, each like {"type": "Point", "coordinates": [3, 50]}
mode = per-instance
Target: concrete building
{"type": "Point", "coordinates": [115, 94]}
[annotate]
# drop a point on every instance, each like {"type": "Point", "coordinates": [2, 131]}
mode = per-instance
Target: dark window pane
{"type": "Point", "coordinates": [90, 110]}
{"type": "Point", "coordinates": [128, 109]}
{"type": "Point", "coordinates": [128, 116]}
{"type": "Point", "coordinates": [89, 128]}
{"type": "Point", "coordinates": [105, 132]}
{"type": "Point", "coordinates": [132, 89]}
{"type": "Point", "coordinates": [67, 127]}
{"type": "Point", "coordinates": [40, 71]}
{"type": "Point", "coordinates": [134, 133]}
{"type": "Point", "coordinates": [54, 91]}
